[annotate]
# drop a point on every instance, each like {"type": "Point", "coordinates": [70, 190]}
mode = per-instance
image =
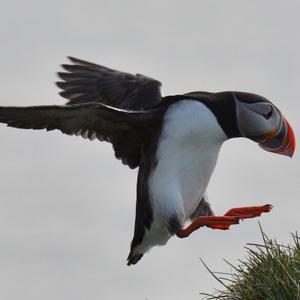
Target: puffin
{"type": "Point", "coordinates": [174, 141]}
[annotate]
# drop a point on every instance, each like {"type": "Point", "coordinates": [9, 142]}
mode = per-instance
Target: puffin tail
{"type": "Point", "coordinates": [133, 258]}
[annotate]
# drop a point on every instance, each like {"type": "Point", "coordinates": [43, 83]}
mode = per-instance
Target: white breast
{"type": "Point", "coordinates": [187, 153]}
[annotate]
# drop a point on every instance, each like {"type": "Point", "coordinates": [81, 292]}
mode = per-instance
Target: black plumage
{"type": "Point", "coordinates": [86, 82]}
{"type": "Point", "coordinates": [89, 119]}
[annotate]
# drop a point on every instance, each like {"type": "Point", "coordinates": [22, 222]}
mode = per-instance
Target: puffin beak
{"type": "Point", "coordinates": [280, 141]}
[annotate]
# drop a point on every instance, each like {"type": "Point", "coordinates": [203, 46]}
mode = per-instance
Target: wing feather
{"type": "Point", "coordinates": [89, 120]}
{"type": "Point", "coordinates": [88, 82]}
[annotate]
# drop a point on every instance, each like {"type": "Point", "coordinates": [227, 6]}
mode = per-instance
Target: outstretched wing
{"type": "Point", "coordinates": [87, 82]}
{"type": "Point", "coordinates": [90, 120]}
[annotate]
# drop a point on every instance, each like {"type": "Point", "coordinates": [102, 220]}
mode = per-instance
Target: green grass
{"type": "Point", "coordinates": [270, 272]}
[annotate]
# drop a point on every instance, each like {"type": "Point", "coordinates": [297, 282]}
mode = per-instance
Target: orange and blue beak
{"type": "Point", "coordinates": [280, 141]}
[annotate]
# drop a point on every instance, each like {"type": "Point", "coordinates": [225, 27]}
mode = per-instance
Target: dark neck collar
{"type": "Point", "coordinates": [221, 104]}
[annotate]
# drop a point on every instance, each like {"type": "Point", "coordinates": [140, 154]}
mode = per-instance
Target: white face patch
{"type": "Point", "coordinates": [252, 120]}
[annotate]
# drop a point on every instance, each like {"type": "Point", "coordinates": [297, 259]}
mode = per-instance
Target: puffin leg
{"type": "Point", "coordinates": [249, 211]}
{"type": "Point", "coordinates": [215, 222]}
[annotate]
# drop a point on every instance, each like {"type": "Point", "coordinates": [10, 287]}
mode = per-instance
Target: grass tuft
{"type": "Point", "coordinates": [270, 272]}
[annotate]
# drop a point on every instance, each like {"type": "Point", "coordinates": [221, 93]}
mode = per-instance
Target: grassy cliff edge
{"type": "Point", "coordinates": [271, 271]}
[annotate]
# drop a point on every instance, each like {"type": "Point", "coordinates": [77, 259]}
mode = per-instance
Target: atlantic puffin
{"type": "Point", "coordinates": [174, 141]}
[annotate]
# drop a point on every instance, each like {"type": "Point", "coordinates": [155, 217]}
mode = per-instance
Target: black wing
{"type": "Point", "coordinates": [91, 120]}
{"type": "Point", "coordinates": [87, 82]}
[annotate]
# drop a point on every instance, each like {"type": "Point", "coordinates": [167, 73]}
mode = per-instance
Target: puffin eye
{"type": "Point", "coordinates": [262, 108]}
{"type": "Point", "coordinates": [269, 114]}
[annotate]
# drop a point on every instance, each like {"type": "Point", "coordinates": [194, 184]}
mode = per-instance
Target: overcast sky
{"type": "Point", "coordinates": [67, 206]}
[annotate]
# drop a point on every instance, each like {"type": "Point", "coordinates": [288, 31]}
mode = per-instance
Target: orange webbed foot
{"type": "Point", "coordinates": [214, 222]}
{"type": "Point", "coordinates": [249, 211]}
{"type": "Point", "coordinates": [231, 217]}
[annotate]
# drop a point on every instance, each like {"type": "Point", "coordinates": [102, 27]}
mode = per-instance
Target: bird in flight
{"type": "Point", "coordinates": [174, 141]}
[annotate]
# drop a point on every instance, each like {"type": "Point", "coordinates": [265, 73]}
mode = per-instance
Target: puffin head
{"type": "Point", "coordinates": [262, 122]}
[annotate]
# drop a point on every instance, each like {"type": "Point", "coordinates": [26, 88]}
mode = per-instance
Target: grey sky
{"type": "Point", "coordinates": [65, 228]}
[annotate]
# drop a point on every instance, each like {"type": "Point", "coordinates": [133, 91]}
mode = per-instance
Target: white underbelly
{"type": "Point", "coordinates": [186, 156]}
{"type": "Point", "coordinates": [179, 182]}
{"type": "Point", "coordinates": [187, 152]}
